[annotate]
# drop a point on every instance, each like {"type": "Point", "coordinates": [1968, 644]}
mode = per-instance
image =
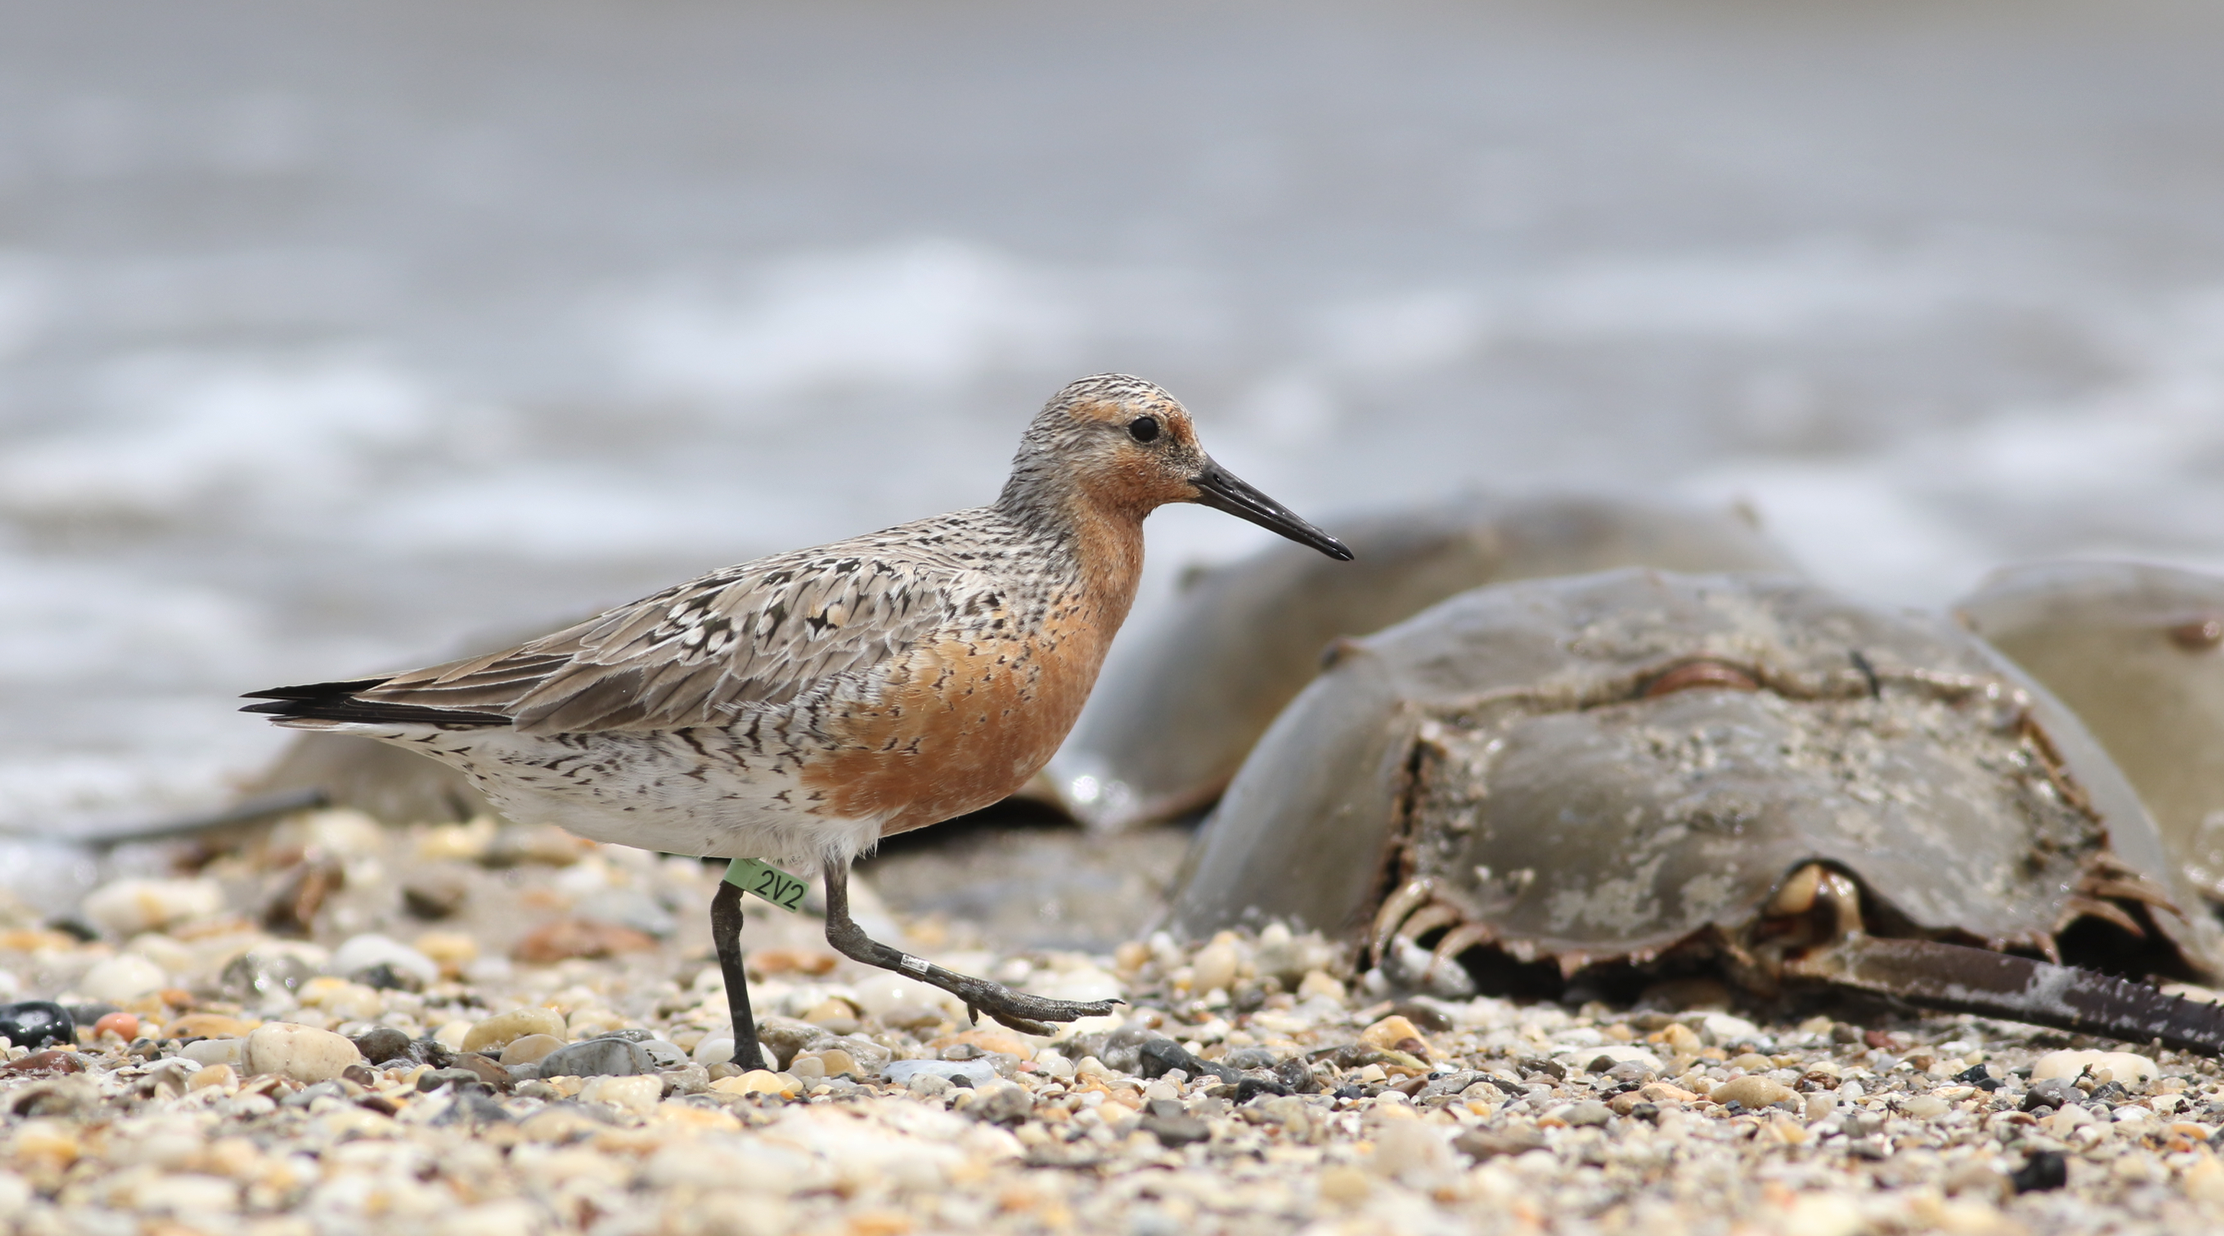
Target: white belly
{"type": "Point", "coordinates": [695, 792]}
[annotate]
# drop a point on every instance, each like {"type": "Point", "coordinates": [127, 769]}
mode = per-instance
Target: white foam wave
{"type": "Point", "coordinates": [180, 431]}
{"type": "Point", "coordinates": [2134, 467]}
{"type": "Point", "coordinates": [933, 311]}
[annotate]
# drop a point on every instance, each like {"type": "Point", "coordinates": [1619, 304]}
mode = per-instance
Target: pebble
{"type": "Point", "coordinates": [1752, 1090]}
{"type": "Point", "coordinates": [1613, 1053]}
{"type": "Point", "coordinates": [208, 1026]}
{"type": "Point", "coordinates": [122, 909]}
{"type": "Point", "coordinates": [713, 1049]}
{"type": "Point", "coordinates": [258, 974]}
{"type": "Point", "coordinates": [929, 1085]}
{"type": "Point", "coordinates": [1926, 1107]}
{"type": "Point", "coordinates": [369, 950]}
{"type": "Point", "coordinates": [1215, 966]}
{"type": "Point", "coordinates": [638, 1095]}
{"type": "Point", "coordinates": [35, 1023]}
{"type": "Point", "coordinates": [216, 1051]}
{"type": "Point", "coordinates": [628, 907]}
{"type": "Point", "coordinates": [1005, 1103]}
{"type": "Point", "coordinates": [597, 1058]}
{"type": "Point", "coordinates": [1590, 1113]}
{"type": "Point", "coordinates": [1408, 1149]}
{"type": "Point", "coordinates": [1395, 1033]}
{"type": "Point", "coordinates": [502, 1029]}
{"type": "Point", "coordinates": [570, 938]}
{"type": "Point", "coordinates": [2123, 1066]}
{"type": "Point", "coordinates": [1724, 1028]}
{"type": "Point", "coordinates": [530, 1048]}
{"type": "Point", "coordinates": [759, 1081]}
{"type": "Point", "coordinates": [1319, 984]}
{"type": "Point", "coordinates": [975, 1072]}
{"type": "Point", "coordinates": [124, 1026]}
{"type": "Point", "coordinates": [303, 1053]}
{"type": "Point", "coordinates": [122, 979]}
{"type": "Point", "coordinates": [1822, 1214]}
{"type": "Point", "coordinates": [380, 1044]}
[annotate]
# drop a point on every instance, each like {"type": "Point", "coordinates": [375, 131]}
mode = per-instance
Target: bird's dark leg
{"type": "Point", "coordinates": [1015, 1009]}
{"type": "Point", "coordinates": [725, 932]}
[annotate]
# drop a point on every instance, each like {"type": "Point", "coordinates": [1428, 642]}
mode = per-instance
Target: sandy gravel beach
{"type": "Point", "coordinates": [492, 1030]}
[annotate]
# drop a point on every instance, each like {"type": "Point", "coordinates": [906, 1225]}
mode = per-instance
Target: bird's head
{"type": "Point", "coordinates": [1123, 445]}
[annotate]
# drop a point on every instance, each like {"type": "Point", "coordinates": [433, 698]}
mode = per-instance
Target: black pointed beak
{"type": "Point", "coordinates": [1221, 491]}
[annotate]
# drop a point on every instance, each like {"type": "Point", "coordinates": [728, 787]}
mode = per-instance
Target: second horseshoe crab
{"type": "Point", "coordinates": [2138, 651]}
{"type": "Point", "coordinates": [1180, 708]}
{"type": "Point", "coordinates": [1641, 772]}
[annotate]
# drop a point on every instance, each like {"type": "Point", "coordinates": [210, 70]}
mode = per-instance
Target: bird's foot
{"type": "Point", "coordinates": [1022, 1012]}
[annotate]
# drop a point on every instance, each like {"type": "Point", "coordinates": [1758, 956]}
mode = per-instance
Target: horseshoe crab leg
{"type": "Point", "coordinates": [1426, 919]}
{"type": "Point", "coordinates": [1456, 941]}
{"type": "Point", "coordinates": [1396, 908]}
{"type": "Point", "coordinates": [1959, 979]}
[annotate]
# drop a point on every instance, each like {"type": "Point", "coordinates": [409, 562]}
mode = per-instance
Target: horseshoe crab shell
{"type": "Point", "coordinates": [1181, 706]}
{"type": "Point", "coordinates": [2138, 652]}
{"type": "Point", "coordinates": [1635, 764]}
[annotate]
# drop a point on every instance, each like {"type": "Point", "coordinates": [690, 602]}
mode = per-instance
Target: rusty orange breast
{"type": "Point", "coordinates": [964, 721]}
{"type": "Point", "coordinates": [967, 722]}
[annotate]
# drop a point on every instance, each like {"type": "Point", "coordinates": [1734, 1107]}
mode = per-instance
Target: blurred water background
{"type": "Point", "coordinates": [333, 336]}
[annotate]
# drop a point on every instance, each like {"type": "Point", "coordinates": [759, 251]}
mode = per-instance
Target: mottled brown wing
{"type": "Point", "coordinates": [696, 654]}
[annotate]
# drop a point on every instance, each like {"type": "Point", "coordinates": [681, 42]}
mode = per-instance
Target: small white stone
{"type": "Point", "coordinates": [189, 1192]}
{"type": "Point", "coordinates": [1409, 1149]}
{"type": "Point", "coordinates": [302, 1053]}
{"type": "Point", "coordinates": [2125, 1066]}
{"type": "Point", "coordinates": [205, 1052]}
{"type": "Point", "coordinates": [452, 1034]}
{"type": "Point", "coordinates": [122, 979]}
{"type": "Point", "coordinates": [1082, 984]}
{"type": "Point", "coordinates": [1723, 1028]}
{"type": "Point", "coordinates": [714, 1049]}
{"type": "Point", "coordinates": [1619, 1053]}
{"type": "Point", "coordinates": [1215, 966]}
{"type": "Point", "coordinates": [124, 908]}
{"type": "Point", "coordinates": [885, 992]}
{"type": "Point", "coordinates": [371, 949]}
{"type": "Point", "coordinates": [508, 1217]}
{"type": "Point", "coordinates": [637, 1094]}
{"type": "Point", "coordinates": [1822, 1214]}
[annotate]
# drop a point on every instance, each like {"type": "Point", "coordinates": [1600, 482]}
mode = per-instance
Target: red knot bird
{"type": "Point", "coordinates": [805, 705]}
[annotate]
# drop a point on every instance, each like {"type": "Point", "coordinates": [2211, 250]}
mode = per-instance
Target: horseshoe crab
{"type": "Point", "coordinates": [1244, 639]}
{"type": "Point", "coordinates": [1644, 772]}
{"type": "Point", "coordinates": [2138, 652]}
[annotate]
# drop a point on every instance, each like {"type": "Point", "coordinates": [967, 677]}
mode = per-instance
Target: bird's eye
{"type": "Point", "coordinates": [1143, 428]}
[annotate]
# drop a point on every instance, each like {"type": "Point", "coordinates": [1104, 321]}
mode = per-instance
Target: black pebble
{"type": "Point", "coordinates": [382, 977]}
{"type": "Point", "coordinates": [73, 927]}
{"type": "Point", "coordinates": [462, 1079]}
{"type": "Point", "coordinates": [2044, 1170]}
{"type": "Point", "coordinates": [36, 1023]}
{"type": "Point", "coordinates": [383, 1043]}
{"type": "Point", "coordinates": [89, 1013]}
{"type": "Point", "coordinates": [1350, 1092]}
{"type": "Point", "coordinates": [2053, 1092]}
{"type": "Point", "coordinates": [1160, 1056]}
{"type": "Point", "coordinates": [1252, 1087]}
